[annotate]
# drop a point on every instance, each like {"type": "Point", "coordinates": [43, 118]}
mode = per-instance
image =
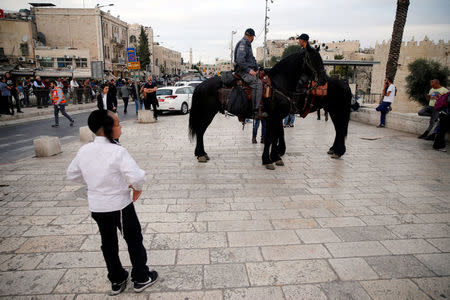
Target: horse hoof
{"type": "Point", "coordinates": [279, 163]}
{"type": "Point", "coordinates": [206, 156]}
{"type": "Point", "coordinates": [269, 166]}
{"type": "Point", "coordinates": [202, 159]}
{"type": "Point", "coordinates": [330, 152]}
{"type": "Point", "coordinates": [335, 156]}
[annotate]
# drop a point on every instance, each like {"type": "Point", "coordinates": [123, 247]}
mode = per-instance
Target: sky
{"type": "Point", "coordinates": [206, 25]}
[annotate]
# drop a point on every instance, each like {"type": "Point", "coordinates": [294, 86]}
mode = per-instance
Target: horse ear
{"type": "Point", "coordinates": [318, 49]}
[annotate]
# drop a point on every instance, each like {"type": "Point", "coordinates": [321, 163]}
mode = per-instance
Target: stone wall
{"type": "Point", "coordinates": [409, 52]}
{"type": "Point", "coordinates": [407, 122]}
{"type": "Point", "coordinates": [13, 33]}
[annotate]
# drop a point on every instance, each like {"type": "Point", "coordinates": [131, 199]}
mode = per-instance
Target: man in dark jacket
{"type": "Point", "coordinates": [246, 67]}
{"type": "Point", "coordinates": [105, 101]}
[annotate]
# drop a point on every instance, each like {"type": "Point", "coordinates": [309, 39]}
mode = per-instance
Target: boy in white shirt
{"type": "Point", "coordinates": [389, 93]}
{"type": "Point", "coordinates": [109, 172]}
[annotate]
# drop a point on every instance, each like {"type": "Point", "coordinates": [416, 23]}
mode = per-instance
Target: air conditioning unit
{"type": "Point", "coordinates": [21, 58]}
{"type": "Point", "coordinates": [30, 61]}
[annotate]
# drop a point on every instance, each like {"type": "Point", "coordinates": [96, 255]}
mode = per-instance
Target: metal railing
{"type": "Point", "coordinates": [369, 98]}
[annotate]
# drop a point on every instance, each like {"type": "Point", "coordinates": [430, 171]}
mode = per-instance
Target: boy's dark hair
{"type": "Point", "coordinates": [52, 81]}
{"type": "Point", "coordinates": [101, 119]}
{"type": "Point", "coordinates": [103, 85]}
{"type": "Point", "coordinates": [390, 79]}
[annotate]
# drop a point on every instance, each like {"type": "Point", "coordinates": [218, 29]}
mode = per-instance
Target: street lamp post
{"type": "Point", "coordinates": [266, 24]}
{"type": "Point", "coordinates": [231, 49]}
{"type": "Point", "coordinates": [98, 6]}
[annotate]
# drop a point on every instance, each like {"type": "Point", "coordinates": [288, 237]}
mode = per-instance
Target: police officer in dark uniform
{"type": "Point", "coordinates": [246, 67]}
{"type": "Point", "coordinates": [303, 40]}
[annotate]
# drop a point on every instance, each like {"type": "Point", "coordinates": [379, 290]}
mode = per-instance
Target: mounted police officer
{"type": "Point", "coordinates": [246, 67]}
{"type": "Point", "coordinates": [303, 41]}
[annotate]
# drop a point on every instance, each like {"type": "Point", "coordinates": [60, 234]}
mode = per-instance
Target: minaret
{"type": "Point", "coordinates": [190, 57]}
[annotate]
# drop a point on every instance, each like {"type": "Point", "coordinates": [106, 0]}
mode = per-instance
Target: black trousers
{"type": "Point", "coordinates": [108, 223]}
{"type": "Point", "coordinates": [444, 127]}
{"type": "Point", "coordinates": [147, 104]}
{"type": "Point", "coordinates": [125, 103]}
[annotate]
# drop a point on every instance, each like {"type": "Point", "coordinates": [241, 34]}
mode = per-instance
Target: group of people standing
{"type": "Point", "coordinates": [9, 95]}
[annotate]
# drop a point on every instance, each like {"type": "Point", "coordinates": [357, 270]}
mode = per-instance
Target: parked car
{"type": "Point", "coordinates": [175, 98]}
{"type": "Point", "coordinates": [193, 83]}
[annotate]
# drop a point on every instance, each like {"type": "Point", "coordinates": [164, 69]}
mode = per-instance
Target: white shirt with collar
{"type": "Point", "coordinates": [107, 169]}
{"type": "Point", "coordinates": [104, 98]}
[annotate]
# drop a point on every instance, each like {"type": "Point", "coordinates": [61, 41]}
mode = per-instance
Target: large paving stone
{"type": "Point", "coordinates": [289, 272]}
{"type": "Point", "coordinates": [225, 276]}
{"type": "Point", "coordinates": [436, 287]}
{"type": "Point", "coordinates": [344, 290]}
{"type": "Point", "coordinates": [352, 269]}
{"type": "Point", "coordinates": [409, 246]}
{"type": "Point", "coordinates": [393, 289]}
{"type": "Point", "coordinates": [398, 266]}
{"type": "Point", "coordinates": [363, 233]}
{"type": "Point", "coordinates": [191, 295]}
{"type": "Point", "coordinates": [254, 293]}
{"type": "Point", "coordinates": [235, 255]}
{"type": "Point", "coordinates": [261, 238]}
{"type": "Point", "coordinates": [304, 291]}
{"type": "Point", "coordinates": [294, 252]}
{"type": "Point", "coordinates": [354, 249]}
{"type": "Point", "coordinates": [438, 263]}
{"type": "Point", "coordinates": [29, 282]}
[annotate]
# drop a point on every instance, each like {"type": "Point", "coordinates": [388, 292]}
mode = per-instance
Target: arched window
{"type": "Point", "coordinates": [133, 39]}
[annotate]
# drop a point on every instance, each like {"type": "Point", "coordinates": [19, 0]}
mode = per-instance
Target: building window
{"type": "Point", "coordinates": [46, 62]}
{"type": "Point", "coordinates": [64, 62]}
{"type": "Point", "coordinates": [81, 62]}
{"type": "Point", "coordinates": [2, 52]}
{"type": "Point", "coordinates": [24, 49]}
{"type": "Point", "coordinates": [133, 39]}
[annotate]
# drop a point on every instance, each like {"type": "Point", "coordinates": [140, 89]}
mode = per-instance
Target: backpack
{"type": "Point", "coordinates": [238, 103]}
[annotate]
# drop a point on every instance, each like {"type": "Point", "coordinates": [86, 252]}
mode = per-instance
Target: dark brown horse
{"type": "Point", "coordinates": [285, 77]}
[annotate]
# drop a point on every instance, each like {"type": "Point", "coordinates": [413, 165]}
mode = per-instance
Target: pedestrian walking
{"type": "Point", "coordinates": [325, 112]}
{"type": "Point", "coordinates": [59, 104]}
{"type": "Point", "coordinates": [125, 93]}
{"type": "Point", "coordinates": [105, 101]}
{"type": "Point", "coordinates": [109, 178]}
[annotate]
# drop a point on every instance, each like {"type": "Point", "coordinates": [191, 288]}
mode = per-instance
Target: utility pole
{"type": "Point", "coordinates": [231, 49]}
{"type": "Point", "coordinates": [266, 29]}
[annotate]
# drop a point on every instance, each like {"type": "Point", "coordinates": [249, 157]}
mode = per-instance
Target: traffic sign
{"type": "Point", "coordinates": [131, 54]}
{"type": "Point", "coordinates": [134, 65]}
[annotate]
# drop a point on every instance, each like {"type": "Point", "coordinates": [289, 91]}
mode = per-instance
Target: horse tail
{"type": "Point", "coordinates": [347, 108]}
{"type": "Point", "coordinates": [204, 102]}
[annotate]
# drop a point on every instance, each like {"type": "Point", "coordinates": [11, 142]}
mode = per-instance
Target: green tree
{"type": "Point", "coordinates": [396, 39]}
{"type": "Point", "coordinates": [421, 72]}
{"type": "Point", "coordinates": [291, 50]}
{"type": "Point", "coordinates": [274, 60]}
{"type": "Point", "coordinates": [142, 51]}
{"type": "Point", "coordinates": [339, 56]}
{"type": "Point", "coordinates": [342, 72]}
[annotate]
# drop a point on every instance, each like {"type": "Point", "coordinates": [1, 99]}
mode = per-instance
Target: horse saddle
{"type": "Point", "coordinates": [265, 79]}
{"type": "Point", "coordinates": [319, 90]}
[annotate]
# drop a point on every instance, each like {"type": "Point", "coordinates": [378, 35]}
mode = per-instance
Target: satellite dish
{"type": "Point", "coordinates": [25, 38]}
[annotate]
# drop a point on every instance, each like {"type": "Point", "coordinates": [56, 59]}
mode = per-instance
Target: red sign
{"type": "Point", "coordinates": [2, 14]}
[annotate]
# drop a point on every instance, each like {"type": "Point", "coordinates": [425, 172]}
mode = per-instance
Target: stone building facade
{"type": "Point", "coordinates": [410, 51]}
{"type": "Point", "coordinates": [16, 44]}
{"type": "Point", "coordinates": [103, 35]}
{"type": "Point", "coordinates": [166, 61]}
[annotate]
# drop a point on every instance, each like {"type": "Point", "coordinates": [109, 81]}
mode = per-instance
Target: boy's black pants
{"type": "Point", "coordinates": [108, 222]}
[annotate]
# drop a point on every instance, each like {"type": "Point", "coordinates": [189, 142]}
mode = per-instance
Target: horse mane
{"type": "Point", "coordinates": [286, 73]}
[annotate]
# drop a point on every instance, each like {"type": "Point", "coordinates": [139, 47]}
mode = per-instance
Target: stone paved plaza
{"type": "Point", "coordinates": [372, 225]}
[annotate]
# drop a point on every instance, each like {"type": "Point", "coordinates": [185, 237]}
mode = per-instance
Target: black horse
{"type": "Point", "coordinates": [285, 77]}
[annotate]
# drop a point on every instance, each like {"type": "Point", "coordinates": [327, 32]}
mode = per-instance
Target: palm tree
{"type": "Point", "coordinates": [396, 39]}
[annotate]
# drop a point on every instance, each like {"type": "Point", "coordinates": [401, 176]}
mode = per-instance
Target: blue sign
{"type": "Point", "coordinates": [131, 54]}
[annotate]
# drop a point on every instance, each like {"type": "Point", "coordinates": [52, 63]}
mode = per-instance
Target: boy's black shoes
{"type": "Point", "coordinates": [117, 288]}
{"type": "Point", "coordinates": [139, 287]}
